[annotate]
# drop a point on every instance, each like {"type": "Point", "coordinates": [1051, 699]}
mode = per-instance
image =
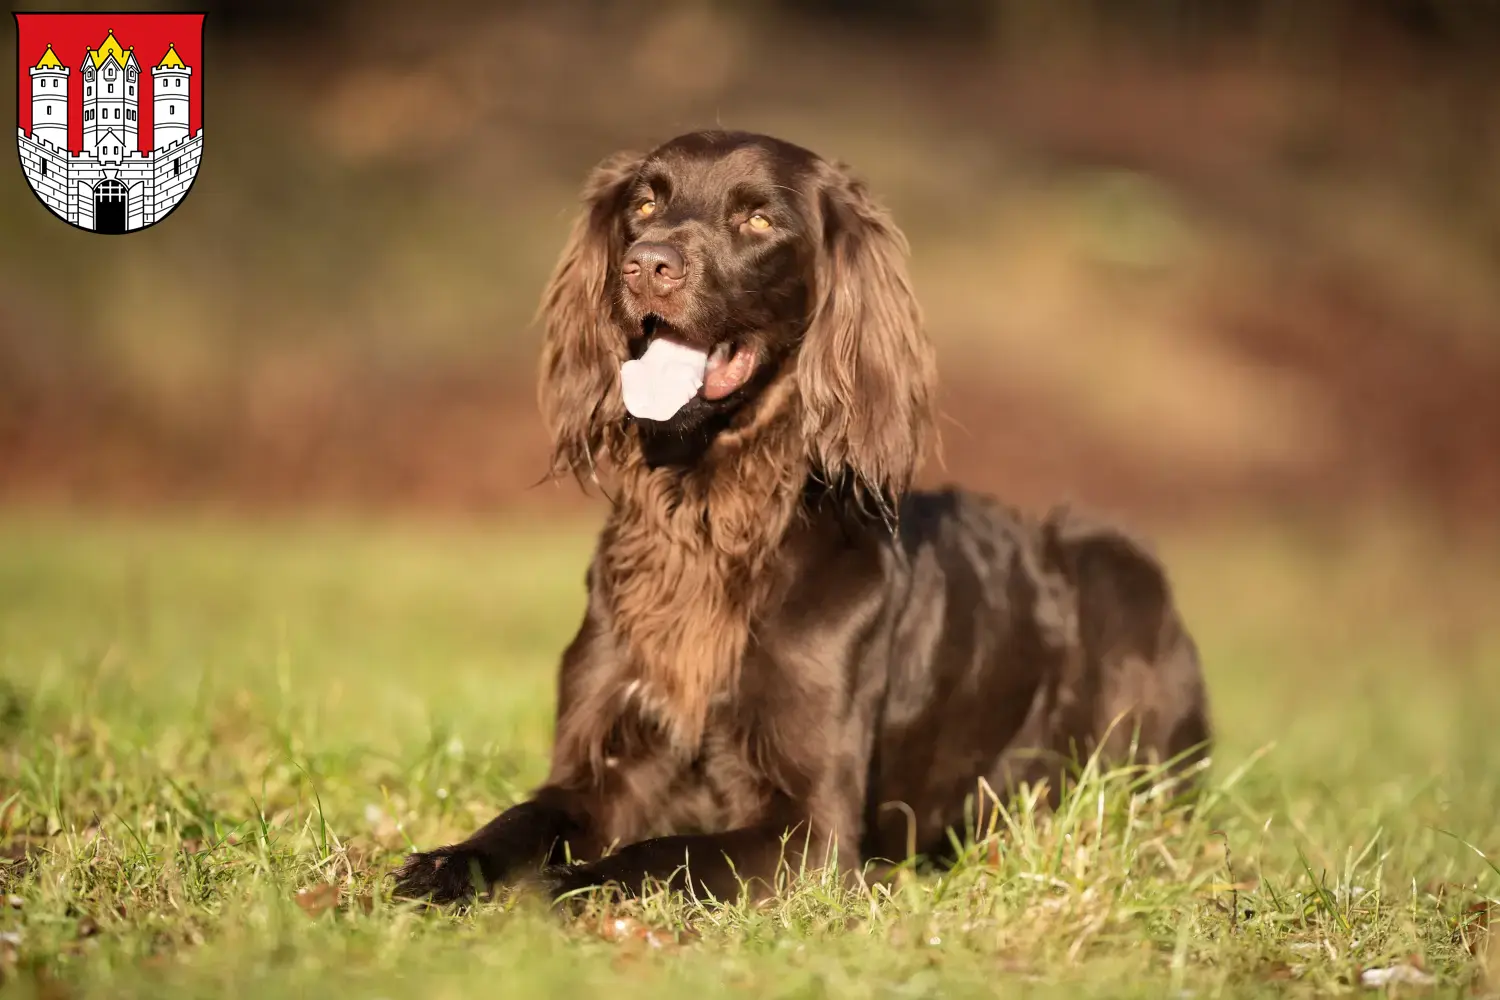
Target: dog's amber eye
{"type": "Point", "coordinates": [759, 222]}
{"type": "Point", "coordinates": [646, 208]}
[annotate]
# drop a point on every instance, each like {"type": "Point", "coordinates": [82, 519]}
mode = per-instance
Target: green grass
{"type": "Point", "coordinates": [199, 720]}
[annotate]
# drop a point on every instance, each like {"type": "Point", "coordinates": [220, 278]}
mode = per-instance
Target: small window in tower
{"type": "Point", "coordinates": [179, 81]}
{"type": "Point", "coordinates": [111, 88]}
{"type": "Point", "coordinates": [177, 166]}
{"type": "Point", "coordinates": [49, 109]}
{"type": "Point", "coordinates": [132, 91]}
{"type": "Point", "coordinates": [117, 112]}
{"type": "Point", "coordinates": [88, 91]}
{"type": "Point", "coordinates": [171, 109]}
{"type": "Point", "coordinates": [44, 168]}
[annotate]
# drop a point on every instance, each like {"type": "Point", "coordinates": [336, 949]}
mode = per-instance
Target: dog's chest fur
{"type": "Point", "coordinates": [684, 567]}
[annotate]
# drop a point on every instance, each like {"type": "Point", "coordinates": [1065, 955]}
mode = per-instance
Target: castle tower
{"type": "Point", "coordinates": [132, 103]}
{"type": "Point", "coordinates": [111, 98]}
{"type": "Point", "coordinates": [49, 100]}
{"type": "Point", "coordinates": [170, 85]}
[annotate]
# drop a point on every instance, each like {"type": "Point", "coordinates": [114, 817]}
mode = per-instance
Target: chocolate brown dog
{"type": "Point", "coordinates": [781, 636]}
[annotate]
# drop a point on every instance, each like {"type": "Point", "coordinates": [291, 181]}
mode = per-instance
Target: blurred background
{"type": "Point", "coordinates": [1182, 260]}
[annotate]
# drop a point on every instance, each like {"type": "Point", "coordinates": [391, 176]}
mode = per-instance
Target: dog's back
{"type": "Point", "coordinates": [1018, 649]}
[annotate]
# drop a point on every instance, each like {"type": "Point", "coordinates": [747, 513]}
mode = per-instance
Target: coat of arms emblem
{"type": "Point", "coordinates": [110, 114]}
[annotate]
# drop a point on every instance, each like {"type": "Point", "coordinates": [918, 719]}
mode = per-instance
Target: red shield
{"type": "Point", "coordinates": [110, 114]}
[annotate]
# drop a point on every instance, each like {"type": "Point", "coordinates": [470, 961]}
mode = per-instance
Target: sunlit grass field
{"type": "Point", "coordinates": [216, 738]}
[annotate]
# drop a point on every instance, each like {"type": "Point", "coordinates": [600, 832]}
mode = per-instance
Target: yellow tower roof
{"type": "Point", "coordinates": [111, 49]}
{"type": "Point", "coordinates": [171, 60]}
{"type": "Point", "coordinates": [49, 60]}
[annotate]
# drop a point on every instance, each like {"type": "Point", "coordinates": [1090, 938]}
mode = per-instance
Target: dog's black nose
{"type": "Point", "coordinates": [654, 269]}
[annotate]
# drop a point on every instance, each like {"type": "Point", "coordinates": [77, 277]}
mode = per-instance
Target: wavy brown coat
{"type": "Point", "coordinates": [790, 657]}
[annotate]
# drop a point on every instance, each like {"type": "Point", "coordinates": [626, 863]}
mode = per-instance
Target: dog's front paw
{"type": "Point", "coordinates": [446, 875]}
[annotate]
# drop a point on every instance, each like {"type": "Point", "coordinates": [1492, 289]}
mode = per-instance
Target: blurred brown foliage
{"type": "Point", "coordinates": [1179, 258]}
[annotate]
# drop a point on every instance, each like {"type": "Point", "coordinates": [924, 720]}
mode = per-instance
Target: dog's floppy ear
{"type": "Point", "coordinates": [866, 370]}
{"type": "Point", "coordinates": [579, 391]}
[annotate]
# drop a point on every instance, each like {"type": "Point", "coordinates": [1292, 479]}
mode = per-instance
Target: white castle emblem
{"type": "Point", "coordinates": [111, 186]}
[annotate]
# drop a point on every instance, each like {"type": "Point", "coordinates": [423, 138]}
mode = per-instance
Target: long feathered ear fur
{"type": "Point", "coordinates": [866, 371]}
{"type": "Point", "coordinates": [579, 390]}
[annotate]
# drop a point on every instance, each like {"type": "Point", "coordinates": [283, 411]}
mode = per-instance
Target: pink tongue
{"type": "Point", "coordinates": [663, 380]}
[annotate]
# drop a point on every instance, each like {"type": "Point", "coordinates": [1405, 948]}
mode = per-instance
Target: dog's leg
{"type": "Point", "coordinates": [523, 837]}
{"type": "Point", "coordinates": [709, 865]}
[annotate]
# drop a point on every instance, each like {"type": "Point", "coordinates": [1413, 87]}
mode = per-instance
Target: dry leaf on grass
{"type": "Point", "coordinates": [1277, 971]}
{"type": "Point", "coordinates": [317, 900]}
{"type": "Point", "coordinates": [15, 859]}
{"type": "Point", "coordinates": [628, 930]}
{"type": "Point", "coordinates": [1471, 929]}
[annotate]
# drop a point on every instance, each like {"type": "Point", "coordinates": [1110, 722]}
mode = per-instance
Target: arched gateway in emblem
{"type": "Point", "coordinates": [109, 207]}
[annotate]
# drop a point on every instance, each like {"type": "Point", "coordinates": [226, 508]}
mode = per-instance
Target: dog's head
{"type": "Point", "coordinates": [774, 263]}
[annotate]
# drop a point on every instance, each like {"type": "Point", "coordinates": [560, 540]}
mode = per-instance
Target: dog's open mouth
{"type": "Point", "coordinates": [726, 368]}
{"type": "Point", "coordinates": [730, 366]}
